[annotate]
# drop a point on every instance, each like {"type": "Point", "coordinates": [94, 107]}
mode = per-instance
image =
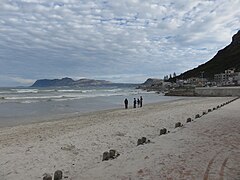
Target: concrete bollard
{"type": "Point", "coordinates": [197, 116]}
{"type": "Point", "coordinates": [144, 140]}
{"type": "Point", "coordinates": [189, 120]}
{"type": "Point", "coordinates": [105, 156]}
{"type": "Point", "coordinates": [139, 142]}
{"type": "Point", "coordinates": [163, 131]}
{"type": "Point", "coordinates": [47, 176]}
{"type": "Point", "coordinates": [178, 124]}
{"type": "Point", "coordinates": [58, 175]}
{"type": "Point", "coordinates": [112, 153]}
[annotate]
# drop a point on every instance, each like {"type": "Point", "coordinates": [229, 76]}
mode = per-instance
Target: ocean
{"type": "Point", "coordinates": [20, 106]}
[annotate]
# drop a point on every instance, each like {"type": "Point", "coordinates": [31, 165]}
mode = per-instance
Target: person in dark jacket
{"type": "Point", "coordinates": [141, 101]}
{"type": "Point", "coordinates": [126, 103]}
{"type": "Point", "coordinates": [138, 102]}
{"type": "Point", "coordinates": [134, 103]}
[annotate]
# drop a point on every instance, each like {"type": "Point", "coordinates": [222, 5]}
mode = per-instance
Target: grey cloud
{"type": "Point", "coordinates": [97, 38]}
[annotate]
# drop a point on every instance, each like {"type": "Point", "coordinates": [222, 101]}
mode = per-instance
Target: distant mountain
{"type": "Point", "coordinates": [69, 82]}
{"type": "Point", "coordinates": [226, 58]}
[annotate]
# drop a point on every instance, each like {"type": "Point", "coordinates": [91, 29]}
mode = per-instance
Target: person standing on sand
{"type": "Point", "coordinates": [126, 103]}
{"type": "Point", "coordinates": [134, 103]}
{"type": "Point", "coordinates": [138, 102]}
{"type": "Point", "coordinates": [141, 101]}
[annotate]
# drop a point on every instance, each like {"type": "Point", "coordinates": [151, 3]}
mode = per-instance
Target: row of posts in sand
{"type": "Point", "coordinates": [112, 153]}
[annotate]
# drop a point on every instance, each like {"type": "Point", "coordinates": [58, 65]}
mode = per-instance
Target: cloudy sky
{"type": "Point", "coordinates": [117, 40]}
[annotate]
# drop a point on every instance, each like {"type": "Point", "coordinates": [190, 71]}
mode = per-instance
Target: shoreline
{"type": "Point", "coordinates": [75, 145]}
{"type": "Point", "coordinates": [73, 115]}
{"type": "Point", "coordinates": [73, 118]}
{"type": "Point", "coordinates": [12, 114]}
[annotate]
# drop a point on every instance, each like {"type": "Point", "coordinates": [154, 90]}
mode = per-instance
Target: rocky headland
{"type": "Point", "coordinates": [69, 82]}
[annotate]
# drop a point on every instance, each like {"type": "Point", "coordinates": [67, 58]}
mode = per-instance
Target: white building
{"type": "Point", "coordinates": [228, 78]}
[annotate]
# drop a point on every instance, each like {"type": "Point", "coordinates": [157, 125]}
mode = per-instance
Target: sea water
{"type": "Point", "coordinates": [28, 105]}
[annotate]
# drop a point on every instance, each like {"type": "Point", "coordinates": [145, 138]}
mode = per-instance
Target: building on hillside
{"type": "Point", "coordinates": [180, 82]}
{"type": "Point", "coordinates": [236, 78]}
{"type": "Point", "coordinates": [229, 72]}
{"type": "Point", "coordinates": [228, 78]}
{"type": "Point", "coordinates": [220, 78]}
{"type": "Point", "coordinates": [192, 82]}
{"type": "Point", "coordinates": [196, 81]}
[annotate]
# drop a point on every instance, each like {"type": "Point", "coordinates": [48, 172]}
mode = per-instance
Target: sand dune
{"type": "Point", "coordinates": [207, 148]}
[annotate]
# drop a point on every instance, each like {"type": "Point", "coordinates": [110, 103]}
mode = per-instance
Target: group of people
{"type": "Point", "coordinates": [136, 102]}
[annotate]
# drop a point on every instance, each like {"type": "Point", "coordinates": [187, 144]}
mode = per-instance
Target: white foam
{"type": "Point", "coordinates": [70, 90]}
{"type": "Point", "coordinates": [25, 90]}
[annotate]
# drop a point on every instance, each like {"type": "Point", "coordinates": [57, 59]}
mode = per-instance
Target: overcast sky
{"type": "Point", "coordinates": [117, 40]}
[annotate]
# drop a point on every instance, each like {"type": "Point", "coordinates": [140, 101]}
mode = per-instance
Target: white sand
{"type": "Point", "coordinates": [208, 148]}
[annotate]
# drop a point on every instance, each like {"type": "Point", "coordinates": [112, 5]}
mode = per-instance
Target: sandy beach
{"type": "Point", "coordinates": [207, 148]}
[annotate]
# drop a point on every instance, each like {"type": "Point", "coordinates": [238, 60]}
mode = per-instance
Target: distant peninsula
{"type": "Point", "coordinates": [69, 82]}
